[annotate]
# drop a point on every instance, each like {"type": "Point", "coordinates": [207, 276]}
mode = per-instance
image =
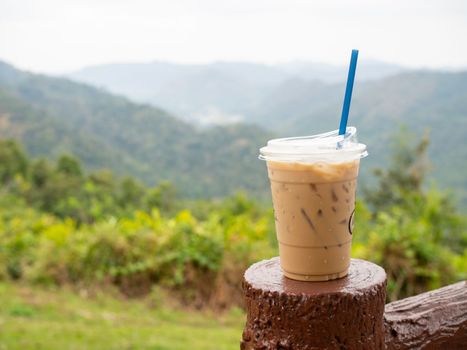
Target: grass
{"type": "Point", "coordinates": [38, 318]}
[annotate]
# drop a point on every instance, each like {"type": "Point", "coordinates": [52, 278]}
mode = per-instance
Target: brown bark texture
{"type": "Point", "coordinates": [346, 313]}
{"type": "Point", "coordinates": [432, 320]}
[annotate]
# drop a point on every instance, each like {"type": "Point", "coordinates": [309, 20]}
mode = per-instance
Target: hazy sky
{"type": "Point", "coordinates": [60, 35]}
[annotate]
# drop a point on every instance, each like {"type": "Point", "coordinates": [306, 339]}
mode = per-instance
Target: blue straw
{"type": "Point", "coordinates": [348, 92]}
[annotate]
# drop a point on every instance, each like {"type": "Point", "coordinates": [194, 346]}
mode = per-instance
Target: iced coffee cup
{"type": "Point", "coordinates": [313, 184]}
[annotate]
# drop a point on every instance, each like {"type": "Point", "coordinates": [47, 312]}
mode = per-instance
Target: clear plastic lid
{"type": "Point", "coordinates": [329, 147]}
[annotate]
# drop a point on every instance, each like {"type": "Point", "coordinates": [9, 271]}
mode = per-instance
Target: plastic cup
{"type": "Point", "coordinates": [313, 185]}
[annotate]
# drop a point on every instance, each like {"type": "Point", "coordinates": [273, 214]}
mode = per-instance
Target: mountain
{"type": "Point", "coordinates": [51, 116]}
{"type": "Point", "coordinates": [303, 98]}
{"type": "Point", "coordinates": [418, 100]}
{"type": "Point", "coordinates": [328, 73]}
{"type": "Point", "coordinates": [215, 93]}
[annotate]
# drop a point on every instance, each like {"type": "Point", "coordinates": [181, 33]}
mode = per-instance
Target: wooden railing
{"type": "Point", "coordinates": [432, 320]}
{"type": "Point", "coordinates": [348, 313]}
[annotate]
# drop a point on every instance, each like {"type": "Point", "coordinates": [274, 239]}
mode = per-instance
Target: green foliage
{"type": "Point", "coordinates": [405, 175]}
{"type": "Point", "coordinates": [64, 191]}
{"type": "Point", "coordinates": [69, 165]}
{"type": "Point", "coordinates": [131, 193]}
{"type": "Point", "coordinates": [415, 233]}
{"type": "Point", "coordinates": [414, 256]}
{"type": "Point", "coordinates": [12, 161]}
{"type": "Point", "coordinates": [164, 196]}
{"type": "Point", "coordinates": [60, 226]}
{"type": "Point", "coordinates": [145, 247]}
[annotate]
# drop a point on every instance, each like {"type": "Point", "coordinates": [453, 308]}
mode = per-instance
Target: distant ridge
{"type": "Point", "coordinates": [217, 92]}
{"type": "Point", "coordinates": [303, 98]}
{"type": "Point", "coordinates": [51, 116]}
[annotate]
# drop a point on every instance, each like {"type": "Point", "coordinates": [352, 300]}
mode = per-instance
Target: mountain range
{"type": "Point", "coordinates": [216, 93]}
{"type": "Point", "coordinates": [305, 98]}
{"type": "Point", "coordinates": [52, 115]}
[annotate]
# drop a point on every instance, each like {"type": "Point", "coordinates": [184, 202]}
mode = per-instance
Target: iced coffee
{"type": "Point", "coordinates": [313, 184]}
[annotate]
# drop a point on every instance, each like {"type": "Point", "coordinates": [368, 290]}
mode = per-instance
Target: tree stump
{"type": "Point", "coordinates": [285, 314]}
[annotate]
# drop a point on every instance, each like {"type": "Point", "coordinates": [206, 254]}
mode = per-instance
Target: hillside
{"type": "Point", "coordinates": [420, 101]}
{"type": "Point", "coordinates": [214, 93]}
{"type": "Point", "coordinates": [51, 116]}
{"type": "Point", "coordinates": [303, 98]}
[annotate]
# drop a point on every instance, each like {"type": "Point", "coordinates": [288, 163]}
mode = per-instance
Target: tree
{"type": "Point", "coordinates": [131, 193]}
{"type": "Point", "coordinates": [40, 173]}
{"type": "Point", "coordinates": [69, 165]}
{"type": "Point", "coordinates": [406, 173]}
{"type": "Point", "coordinates": [13, 161]}
{"type": "Point", "coordinates": [163, 197]}
{"type": "Point", "coordinates": [415, 231]}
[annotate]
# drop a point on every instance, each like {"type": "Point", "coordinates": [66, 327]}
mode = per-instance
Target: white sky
{"type": "Point", "coordinates": [56, 36]}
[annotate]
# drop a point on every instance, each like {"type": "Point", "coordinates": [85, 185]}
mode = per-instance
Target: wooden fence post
{"type": "Point", "coordinates": [348, 313]}
{"type": "Point", "coordinates": [341, 314]}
